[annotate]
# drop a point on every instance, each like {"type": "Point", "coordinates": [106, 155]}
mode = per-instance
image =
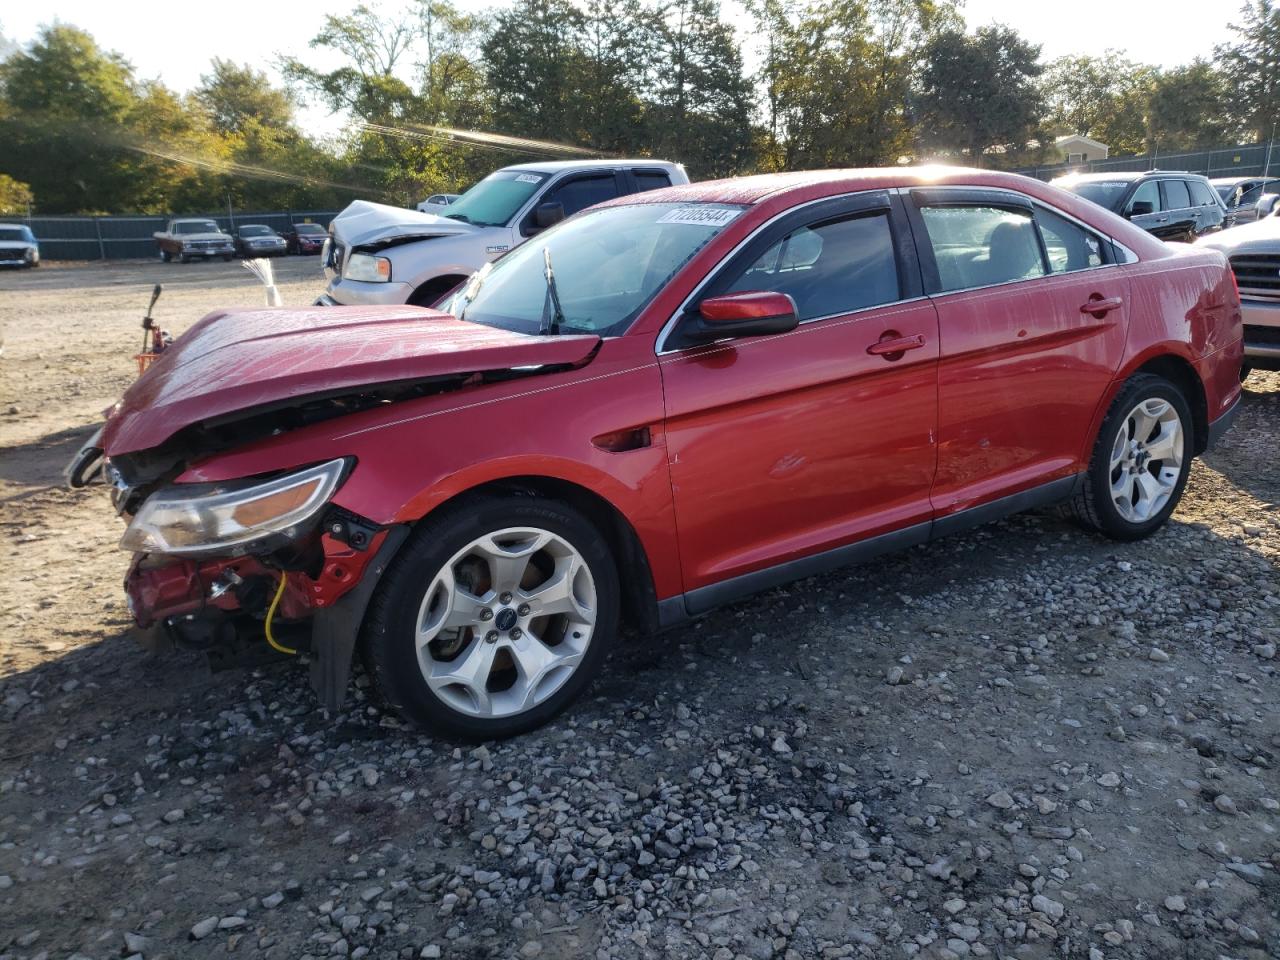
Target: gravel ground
{"type": "Point", "coordinates": [1024, 742]}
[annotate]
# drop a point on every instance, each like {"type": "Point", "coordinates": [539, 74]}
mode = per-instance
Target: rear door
{"type": "Point", "coordinates": [1156, 222]}
{"type": "Point", "coordinates": [1032, 314]}
{"type": "Point", "coordinates": [577, 192]}
{"type": "Point", "coordinates": [784, 447]}
{"type": "Point", "coordinates": [1181, 217]}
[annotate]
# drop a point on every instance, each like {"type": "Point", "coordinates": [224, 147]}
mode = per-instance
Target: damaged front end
{"type": "Point", "coordinates": [273, 559]}
{"type": "Point", "coordinates": [247, 570]}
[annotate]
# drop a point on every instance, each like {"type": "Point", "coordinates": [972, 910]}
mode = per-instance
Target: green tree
{"type": "Point", "coordinates": [836, 78]}
{"type": "Point", "coordinates": [702, 102]}
{"type": "Point", "coordinates": [1103, 97]}
{"type": "Point", "coordinates": [15, 196]}
{"type": "Point", "coordinates": [979, 91]}
{"type": "Point", "coordinates": [236, 97]}
{"type": "Point", "coordinates": [1251, 68]}
{"type": "Point", "coordinates": [1189, 107]}
{"type": "Point", "coordinates": [531, 61]}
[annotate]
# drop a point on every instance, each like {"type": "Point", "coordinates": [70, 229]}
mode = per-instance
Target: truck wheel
{"type": "Point", "coordinates": [497, 613]}
{"type": "Point", "coordinates": [165, 256]}
{"type": "Point", "coordinates": [433, 291]}
{"type": "Point", "coordinates": [1140, 461]}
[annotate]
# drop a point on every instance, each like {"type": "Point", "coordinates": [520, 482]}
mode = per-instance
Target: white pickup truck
{"type": "Point", "coordinates": [378, 254]}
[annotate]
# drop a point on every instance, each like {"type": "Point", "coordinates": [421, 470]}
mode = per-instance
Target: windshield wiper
{"type": "Point", "coordinates": [458, 216]}
{"type": "Point", "coordinates": [552, 315]}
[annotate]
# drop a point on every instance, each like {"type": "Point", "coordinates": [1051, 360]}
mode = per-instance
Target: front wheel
{"type": "Point", "coordinates": [1140, 461]}
{"type": "Point", "coordinates": [165, 256]}
{"type": "Point", "coordinates": [1245, 370]}
{"type": "Point", "coordinates": [496, 615]}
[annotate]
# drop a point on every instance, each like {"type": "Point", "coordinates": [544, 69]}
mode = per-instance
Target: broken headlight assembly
{"type": "Point", "coordinates": [230, 519]}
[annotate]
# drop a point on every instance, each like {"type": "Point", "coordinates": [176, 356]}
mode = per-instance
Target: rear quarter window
{"type": "Point", "coordinates": [977, 246]}
{"type": "Point", "coordinates": [651, 180]}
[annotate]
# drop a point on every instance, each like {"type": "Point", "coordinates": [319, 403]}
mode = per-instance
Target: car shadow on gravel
{"type": "Point", "coordinates": [39, 463]}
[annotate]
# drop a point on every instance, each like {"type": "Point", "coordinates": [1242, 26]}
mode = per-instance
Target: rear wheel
{"type": "Point", "coordinates": [496, 615]}
{"type": "Point", "coordinates": [1245, 370]}
{"type": "Point", "coordinates": [165, 256]}
{"type": "Point", "coordinates": [1140, 461]}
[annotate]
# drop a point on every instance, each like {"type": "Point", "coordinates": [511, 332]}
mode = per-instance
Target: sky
{"type": "Point", "coordinates": [176, 43]}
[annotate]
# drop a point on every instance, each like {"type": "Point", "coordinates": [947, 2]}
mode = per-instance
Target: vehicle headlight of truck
{"type": "Point", "coordinates": [230, 519]}
{"type": "Point", "coordinates": [368, 268]}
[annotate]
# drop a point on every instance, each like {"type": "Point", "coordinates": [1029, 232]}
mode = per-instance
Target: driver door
{"type": "Point", "coordinates": [789, 453]}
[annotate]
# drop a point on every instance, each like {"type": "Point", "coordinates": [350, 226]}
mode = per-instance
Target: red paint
{"type": "Point", "coordinates": [749, 305]}
{"type": "Point", "coordinates": [760, 450]}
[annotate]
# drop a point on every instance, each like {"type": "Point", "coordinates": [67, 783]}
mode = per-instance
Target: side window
{"type": "Point", "coordinates": [1176, 196]}
{"type": "Point", "coordinates": [1201, 194]}
{"type": "Point", "coordinates": [651, 180]}
{"type": "Point", "coordinates": [582, 192]}
{"type": "Point", "coordinates": [980, 246]}
{"type": "Point", "coordinates": [1149, 192]}
{"type": "Point", "coordinates": [1069, 247]}
{"type": "Point", "coordinates": [1251, 196]}
{"type": "Point", "coordinates": [829, 268]}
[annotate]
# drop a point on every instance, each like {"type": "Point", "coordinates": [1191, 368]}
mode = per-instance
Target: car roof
{"type": "Point", "coordinates": [1125, 176]}
{"type": "Point", "coordinates": [768, 186]}
{"type": "Point", "coordinates": [1232, 181]}
{"type": "Point", "coordinates": [557, 166]}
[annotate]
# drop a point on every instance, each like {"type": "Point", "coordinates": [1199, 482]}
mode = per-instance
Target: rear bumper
{"type": "Point", "coordinates": [1261, 333]}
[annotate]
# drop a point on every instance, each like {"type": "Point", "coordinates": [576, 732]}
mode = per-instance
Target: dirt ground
{"type": "Point", "coordinates": [1023, 742]}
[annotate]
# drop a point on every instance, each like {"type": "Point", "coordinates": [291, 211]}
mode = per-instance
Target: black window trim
{"type": "Point", "coordinates": [598, 173]}
{"type": "Point", "coordinates": [823, 210]}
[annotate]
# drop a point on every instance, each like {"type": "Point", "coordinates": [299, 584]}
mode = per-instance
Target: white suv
{"type": "Point", "coordinates": [378, 254]}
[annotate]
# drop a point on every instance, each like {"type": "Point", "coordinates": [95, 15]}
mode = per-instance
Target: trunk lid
{"type": "Point", "coordinates": [239, 362]}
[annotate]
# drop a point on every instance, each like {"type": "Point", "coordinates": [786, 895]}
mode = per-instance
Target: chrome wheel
{"type": "Point", "coordinates": [506, 622]}
{"type": "Point", "coordinates": [1146, 460]}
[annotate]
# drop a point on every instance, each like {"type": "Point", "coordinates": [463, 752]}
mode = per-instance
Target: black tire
{"type": "Point", "coordinates": [1245, 370]}
{"type": "Point", "coordinates": [165, 256]}
{"type": "Point", "coordinates": [183, 258]}
{"type": "Point", "coordinates": [431, 292]}
{"type": "Point", "coordinates": [226, 258]}
{"type": "Point", "coordinates": [388, 633]}
{"type": "Point", "coordinates": [1092, 504]}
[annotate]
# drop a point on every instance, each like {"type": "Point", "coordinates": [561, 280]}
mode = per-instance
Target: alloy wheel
{"type": "Point", "coordinates": [1146, 460]}
{"type": "Point", "coordinates": [506, 622]}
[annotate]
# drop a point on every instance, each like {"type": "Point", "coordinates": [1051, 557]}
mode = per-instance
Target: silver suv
{"type": "Point", "coordinates": [383, 255]}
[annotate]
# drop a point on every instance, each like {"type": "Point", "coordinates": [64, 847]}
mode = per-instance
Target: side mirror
{"type": "Point", "coordinates": [1140, 208]}
{"type": "Point", "coordinates": [548, 215]}
{"type": "Point", "coordinates": [155, 295]}
{"type": "Point", "coordinates": [753, 313]}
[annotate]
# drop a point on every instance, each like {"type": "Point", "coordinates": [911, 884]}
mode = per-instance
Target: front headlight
{"type": "Point", "coordinates": [362, 266]}
{"type": "Point", "coordinates": [222, 519]}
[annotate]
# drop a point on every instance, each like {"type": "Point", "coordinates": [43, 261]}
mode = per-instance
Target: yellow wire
{"type": "Point", "coordinates": [271, 612]}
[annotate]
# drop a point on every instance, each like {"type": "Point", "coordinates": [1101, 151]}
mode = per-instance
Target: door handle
{"type": "Point", "coordinates": [892, 347]}
{"type": "Point", "coordinates": [1099, 306]}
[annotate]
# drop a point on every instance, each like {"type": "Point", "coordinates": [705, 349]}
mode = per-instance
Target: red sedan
{"type": "Point", "coordinates": [661, 405]}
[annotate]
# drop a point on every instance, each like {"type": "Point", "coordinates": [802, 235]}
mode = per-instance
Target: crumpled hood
{"type": "Point", "coordinates": [237, 362]}
{"type": "Point", "coordinates": [363, 223]}
{"type": "Point", "coordinates": [1257, 237]}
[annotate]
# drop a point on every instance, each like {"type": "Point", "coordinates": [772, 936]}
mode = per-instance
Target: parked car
{"type": "Point", "coordinates": [1241, 195]}
{"type": "Point", "coordinates": [18, 246]}
{"type": "Point", "coordinates": [1254, 253]}
{"type": "Point", "coordinates": [259, 240]}
{"type": "Point", "coordinates": [437, 200]}
{"type": "Point", "coordinates": [304, 238]}
{"type": "Point", "coordinates": [386, 255]}
{"type": "Point", "coordinates": [666, 403]}
{"type": "Point", "coordinates": [187, 239]}
{"type": "Point", "coordinates": [1168, 205]}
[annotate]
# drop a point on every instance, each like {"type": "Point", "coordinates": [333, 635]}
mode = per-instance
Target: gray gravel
{"type": "Point", "coordinates": [1024, 742]}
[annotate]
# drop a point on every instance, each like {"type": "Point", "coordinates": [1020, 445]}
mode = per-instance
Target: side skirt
{"type": "Point", "coordinates": [676, 610]}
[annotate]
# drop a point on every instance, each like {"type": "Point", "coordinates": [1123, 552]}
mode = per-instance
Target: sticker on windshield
{"type": "Point", "coordinates": [528, 178]}
{"type": "Point", "coordinates": [700, 216]}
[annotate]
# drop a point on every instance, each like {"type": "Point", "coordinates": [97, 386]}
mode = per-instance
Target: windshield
{"type": "Point", "coordinates": [496, 199]}
{"type": "Point", "coordinates": [196, 226]}
{"type": "Point", "coordinates": [254, 231]}
{"type": "Point", "coordinates": [309, 228]}
{"type": "Point", "coordinates": [15, 233]}
{"type": "Point", "coordinates": [607, 264]}
{"type": "Point", "coordinates": [1105, 193]}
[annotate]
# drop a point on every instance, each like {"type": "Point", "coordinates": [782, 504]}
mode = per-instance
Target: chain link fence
{"type": "Point", "coordinates": [131, 238]}
{"type": "Point", "coordinates": [1246, 160]}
